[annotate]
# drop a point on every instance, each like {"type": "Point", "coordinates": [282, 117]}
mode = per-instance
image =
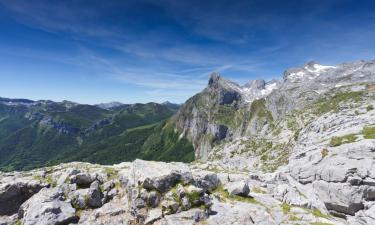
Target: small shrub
{"type": "Point", "coordinates": [356, 112]}
{"type": "Point", "coordinates": [369, 108]}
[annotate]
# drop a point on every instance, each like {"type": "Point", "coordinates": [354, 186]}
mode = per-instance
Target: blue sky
{"type": "Point", "coordinates": [142, 50]}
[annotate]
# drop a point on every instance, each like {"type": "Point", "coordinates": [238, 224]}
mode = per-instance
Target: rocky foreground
{"type": "Point", "coordinates": [145, 192]}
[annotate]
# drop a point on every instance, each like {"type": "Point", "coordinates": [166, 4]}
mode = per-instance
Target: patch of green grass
{"type": "Point", "coordinates": [279, 157]}
{"type": "Point", "coordinates": [277, 131]}
{"type": "Point", "coordinates": [292, 124]}
{"type": "Point", "coordinates": [226, 115]}
{"type": "Point", "coordinates": [111, 173]}
{"type": "Point", "coordinates": [285, 207]}
{"type": "Point", "coordinates": [193, 197]}
{"type": "Point", "coordinates": [224, 195]}
{"type": "Point", "coordinates": [257, 146]}
{"type": "Point", "coordinates": [18, 222]}
{"type": "Point", "coordinates": [324, 152]}
{"type": "Point", "coordinates": [317, 213]}
{"type": "Point", "coordinates": [37, 177]}
{"type": "Point", "coordinates": [175, 195]}
{"type": "Point", "coordinates": [294, 218]}
{"type": "Point", "coordinates": [258, 108]}
{"type": "Point", "coordinates": [51, 181]}
{"type": "Point", "coordinates": [79, 212]}
{"type": "Point", "coordinates": [332, 103]}
{"type": "Point", "coordinates": [337, 141]}
{"type": "Point", "coordinates": [264, 157]}
{"type": "Point", "coordinates": [369, 132]}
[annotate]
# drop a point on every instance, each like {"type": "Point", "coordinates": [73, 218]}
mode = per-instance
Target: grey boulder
{"type": "Point", "coordinates": [240, 188]}
{"type": "Point", "coordinates": [47, 208]}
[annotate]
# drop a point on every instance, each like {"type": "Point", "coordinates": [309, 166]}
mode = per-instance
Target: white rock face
{"type": "Point", "coordinates": [155, 175]}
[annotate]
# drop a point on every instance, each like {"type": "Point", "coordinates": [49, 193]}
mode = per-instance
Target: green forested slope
{"type": "Point", "coordinates": [47, 133]}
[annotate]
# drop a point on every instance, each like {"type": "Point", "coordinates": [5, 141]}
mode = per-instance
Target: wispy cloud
{"type": "Point", "coordinates": [172, 46]}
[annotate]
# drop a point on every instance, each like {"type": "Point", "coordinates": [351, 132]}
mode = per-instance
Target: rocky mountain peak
{"type": "Point", "coordinates": [309, 71]}
{"type": "Point", "coordinates": [256, 84]}
{"type": "Point", "coordinates": [214, 79]}
{"type": "Point", "coordinates": [311, 64]}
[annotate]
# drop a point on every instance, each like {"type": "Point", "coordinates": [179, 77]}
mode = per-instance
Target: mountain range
{"type": "Point", "coordinates": [41, 133]}
{"type": "Point", "coordinates": [299, 150]}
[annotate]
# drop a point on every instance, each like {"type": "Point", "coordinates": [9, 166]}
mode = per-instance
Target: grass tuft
{"type": "Point", "coordinates": [369, 132]}
{"type": "Point", "coordinates": [337, 141]}
{"type": "Point", "coordinates": [317, 213]}
{"type": "Point", "coordinates": [324, 152]}
{"type": "Point", "coordinates": [286, 208]}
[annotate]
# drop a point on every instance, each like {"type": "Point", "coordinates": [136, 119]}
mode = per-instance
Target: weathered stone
{"type": "Point", "coordinates": [153, 199]}
{"type": "Point", "coordinates": [153, 215]}
{"type": "Point", "coordinates": [94, 195]}
{"type": "Point", "coordinates": [240, 188]}
{"type": "Point", "coordinates": [8, 220]}
{"type": "Point", "coordinates": [169, 206]}
{"type": "Point", "coordinates": [185, 203]}
{"type": "Point", "coordinates": [47, 208]}
{"type": "Point", "coordinates": [158, 175]}
{"type": "Point", "coordinates": [14, 192]}
{"type": "Point", "coordinates": [180, 190]}
{"type": "Point", "coordinates": [206, 180]}
{"type": "Point", "coordinates": [82, 179]}
{"type": "Point", "coordinates": [342, 198]}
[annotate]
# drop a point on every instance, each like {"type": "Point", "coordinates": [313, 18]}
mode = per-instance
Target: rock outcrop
{"type": "Point", "coordinates": [146, 192]}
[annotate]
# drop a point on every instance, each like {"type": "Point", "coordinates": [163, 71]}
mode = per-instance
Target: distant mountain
{"type": "Point", "coordinates": [109, 105]}
{"type": "Point", "coordinates": [40, 133]}
{"type": "Point", "coordinates": [225, 111]}
{"type": "Point", "coordinates": [171, 105]}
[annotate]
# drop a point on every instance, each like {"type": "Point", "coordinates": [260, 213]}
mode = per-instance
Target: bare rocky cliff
{"type": "Point", "coordinates": [225, 111]}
